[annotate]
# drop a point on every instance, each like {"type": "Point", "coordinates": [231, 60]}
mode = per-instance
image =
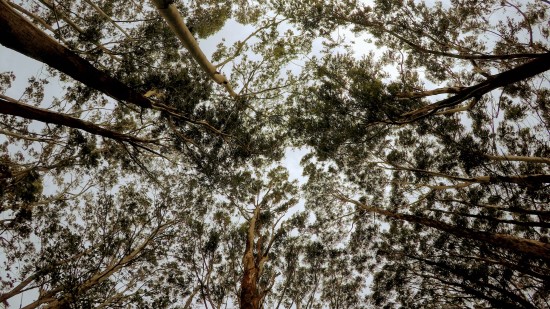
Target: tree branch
{"type": "Point", "coordinates": [519, 73]}
{"type": "Point", "coordinates": [174, 20]}
{"type": "Point", "coordinates": [13, 107]}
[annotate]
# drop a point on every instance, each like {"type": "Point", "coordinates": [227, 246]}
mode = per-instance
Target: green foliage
{"type": "Point", "coordinates": [394, 176]}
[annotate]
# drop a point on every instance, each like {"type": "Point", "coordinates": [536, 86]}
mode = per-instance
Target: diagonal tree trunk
{"type": "Point", "coordinates": [13, 107]}
{"type": "Point", "coordinates": [173, 18]}
{"type": "Point", "coordinates": [20, 35]}
{"type": "Point", "coordinates": [519, 73]}
{"type": "Point", "coordinates": [507, 242]}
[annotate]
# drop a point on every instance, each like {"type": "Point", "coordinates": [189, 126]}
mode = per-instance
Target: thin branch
{"type": "Point", "coordinates": [379, 26]}
{"type": "Point", "coordinates": [107, 17]}
{"type": "Point", "coordinates": [241, 44]}
{"type": "Point", "coordinates": [77, 28]}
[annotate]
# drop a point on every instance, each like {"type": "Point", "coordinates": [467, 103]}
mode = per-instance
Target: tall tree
{"type": "Point", "coordinates": [471, 162]}
{"type": "Point", "coordinates": [143, 184]}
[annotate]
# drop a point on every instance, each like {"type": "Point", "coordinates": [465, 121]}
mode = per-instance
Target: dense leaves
{"type": "Point", "coordinates": [425, 183]}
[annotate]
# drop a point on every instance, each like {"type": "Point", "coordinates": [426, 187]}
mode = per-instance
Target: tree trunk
{"type": "Point", "coordinates": [510, 243]}
{"type": "Point", "coordinates": [13, 107]}
{"type": "Point", "coordinates": [519, 73]}
{"type": "Point", "coordinates": [250, 296]}
{"type": "Point", "coordinates": [20, 35]}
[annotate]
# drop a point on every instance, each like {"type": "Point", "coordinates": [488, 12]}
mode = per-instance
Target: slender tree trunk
{"type": "Point", "coordinates": [12, 107]}
{"type": "Point", "coordinates": [529, 247]}
{"type": "Point", "coordinates": [519, 73]}
{"type": "Point", "coordinates": [20, 35]}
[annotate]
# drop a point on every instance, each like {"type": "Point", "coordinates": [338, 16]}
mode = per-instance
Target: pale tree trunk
{"type": "Point", "coordinates": [173, 18]}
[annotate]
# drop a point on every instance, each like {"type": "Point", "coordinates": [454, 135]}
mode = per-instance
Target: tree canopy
{"type": "Point", "coordinates": [154, 175]}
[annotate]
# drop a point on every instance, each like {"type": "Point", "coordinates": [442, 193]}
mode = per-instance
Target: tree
{"type": "Point", "coordinates": [144, 184]}
{"type": "Point", "coordinates": [443, 168]}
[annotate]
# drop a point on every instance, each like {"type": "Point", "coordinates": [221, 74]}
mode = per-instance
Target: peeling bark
{"type": "Point", "coordinates": [250, 295]}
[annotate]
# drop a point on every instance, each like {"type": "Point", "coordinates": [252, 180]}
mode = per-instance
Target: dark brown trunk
{"type": "Point", "coordinates": [12, 107]}
{"type": "Point", "coordinates": [519, 73]}
{"type": "Point", "coordinates": [511, 243]}
{"type": "Point", "coordinates": [527, 180]}
{"type": "Point", "coordinates": [20, 35]}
